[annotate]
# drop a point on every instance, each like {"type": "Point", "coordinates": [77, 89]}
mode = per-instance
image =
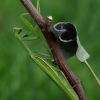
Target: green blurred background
{"type": "Point", "coordinates": [20, 78]}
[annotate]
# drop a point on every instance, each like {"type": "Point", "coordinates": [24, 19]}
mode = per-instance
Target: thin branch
{"type": "Point", "coordinates": [58, 57]}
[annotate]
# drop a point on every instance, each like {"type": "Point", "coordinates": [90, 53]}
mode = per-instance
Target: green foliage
{"type": "Point", "coordinates": [20, 78]}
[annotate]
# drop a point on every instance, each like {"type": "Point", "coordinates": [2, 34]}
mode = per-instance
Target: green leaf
{"type": "Point", "coordinates": [81, 53]}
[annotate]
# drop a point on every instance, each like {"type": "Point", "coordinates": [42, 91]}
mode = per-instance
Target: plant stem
{"type": "Point", "coordinates": [92, 72]}
{"type": "Point", "coordinates": [59, 60]}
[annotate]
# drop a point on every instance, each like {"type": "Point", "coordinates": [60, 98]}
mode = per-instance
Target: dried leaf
{"type": "Point", "coordinates": [68, 41]}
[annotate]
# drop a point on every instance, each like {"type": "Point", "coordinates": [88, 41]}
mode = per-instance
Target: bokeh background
{"type": "Point", "coordinates": [20, 77]}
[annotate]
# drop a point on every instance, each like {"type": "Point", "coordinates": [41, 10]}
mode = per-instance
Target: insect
{"type": "Point", "coordinates": [54, 72]}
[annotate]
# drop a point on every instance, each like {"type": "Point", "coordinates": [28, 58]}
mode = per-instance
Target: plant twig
{"type": "Point", "coordinates": [58, 57]}
{"type": "Point", "coordinates": [92, 72]}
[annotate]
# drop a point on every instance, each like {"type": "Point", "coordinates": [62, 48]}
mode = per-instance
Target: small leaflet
{"type": "Point", "coordinates": [68, 41]}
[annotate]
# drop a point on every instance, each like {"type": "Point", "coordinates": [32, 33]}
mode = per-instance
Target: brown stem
{"type": "Point", "coordinates": [58, 57]}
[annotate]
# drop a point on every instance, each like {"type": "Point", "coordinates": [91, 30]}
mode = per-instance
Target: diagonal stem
{"type": "Point", "coordinates": [92, 72]}
{"type": "Point", "coordinates": [58, 57]}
